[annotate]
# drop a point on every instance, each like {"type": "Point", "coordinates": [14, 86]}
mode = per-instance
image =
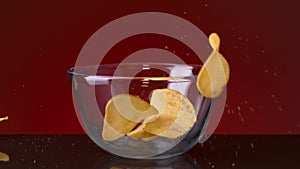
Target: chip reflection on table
{"type": "Point", "coordinates": [114, 162]}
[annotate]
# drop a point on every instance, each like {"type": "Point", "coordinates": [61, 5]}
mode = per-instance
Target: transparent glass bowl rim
{"type": "Point", "coordinates": [79, 70]}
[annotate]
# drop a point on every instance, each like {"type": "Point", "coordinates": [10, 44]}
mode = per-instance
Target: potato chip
{"type": "Point", "coordinates": [214, 74]}
{"type": "Point", "coordinates": [176, 114]}
{"type": "Point", "coordinates": [4, 157]}
{"type": "Point", "coordinates": [122, 113]}
{"type": "Point", "coordinates": [139, 132]}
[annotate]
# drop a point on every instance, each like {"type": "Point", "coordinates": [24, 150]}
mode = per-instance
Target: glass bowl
{"type": "Point", "coordinates": [94, 86]}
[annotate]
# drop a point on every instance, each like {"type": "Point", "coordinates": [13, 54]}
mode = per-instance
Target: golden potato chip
{"type": "Point", "coordinates": [214, 74]}
{"type": "Point", "coordinates": [176, 114]}
{"type": "Point", "coordinates": [122, 113]}
{"type": "Point", "coordinates": [109, 133]}
{"type": "Point", "coordinates": [139, 132]}
{"type": "Point", "coordinates": [4, 157]}
{"type": "Point", "coordinates": [133, 108]}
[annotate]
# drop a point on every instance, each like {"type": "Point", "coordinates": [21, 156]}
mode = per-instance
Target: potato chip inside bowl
{"type": "Point", "coordinates": [177, 114]}
{"type": "Point", "coordinates": [144, 111]}
{"type": "Point", "coordinates": [123, 113]}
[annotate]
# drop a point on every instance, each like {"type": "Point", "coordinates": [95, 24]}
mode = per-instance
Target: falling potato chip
{"type": "Point", "coordinates": [4, 157]}
{"type": "Point", "coordinates": [139, 132]}
{"type": "Point", "coordinates": [176, 114]}
{"type": "Point", "coordinates": [122, 113]}
{"type": "Point", "coordinates": [214, 74]}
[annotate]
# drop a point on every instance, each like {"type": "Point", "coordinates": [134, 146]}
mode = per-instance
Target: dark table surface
{"type": "Point", "coordinates": [220, 151]}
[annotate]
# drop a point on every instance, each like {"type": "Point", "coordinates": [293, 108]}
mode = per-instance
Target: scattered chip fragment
{"type": "Point", "coordinates": [4, 157]}
{"type": "Point", "coordinates": [4, 118]}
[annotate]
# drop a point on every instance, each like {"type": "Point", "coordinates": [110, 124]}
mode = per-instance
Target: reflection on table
{"type": "Point", "coordinates": [220, 151]}
{"type": "Point", "coordinates": [179, 162]}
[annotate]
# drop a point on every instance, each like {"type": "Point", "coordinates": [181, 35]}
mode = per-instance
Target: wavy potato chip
{"type": "Point", "coordinates": [176, 114]}
{"type": "Point", "coordinates": [122, 113]}
{"type": "Point", "coordinates": [214, 74]}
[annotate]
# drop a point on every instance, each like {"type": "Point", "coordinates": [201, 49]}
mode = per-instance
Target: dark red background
{"type": "Point", "coordinates": [40, 40]}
